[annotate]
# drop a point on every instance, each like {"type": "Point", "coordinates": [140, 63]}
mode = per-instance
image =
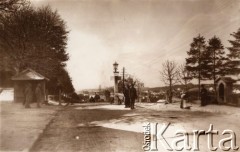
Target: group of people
{"type": "Point", "coordinates": [203, 97]}
{"type": "Point", "coordinates": [30, 93]}
{"type": "Point", "coordinates": [96, 98]}
{"type": "Point", "coordinates": [130, 94]}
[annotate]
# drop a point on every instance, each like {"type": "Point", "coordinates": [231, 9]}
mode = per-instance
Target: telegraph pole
{"type": "Point", "coordinates": [123, 79]}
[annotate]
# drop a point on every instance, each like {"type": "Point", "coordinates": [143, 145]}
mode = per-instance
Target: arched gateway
{"type": "Point", "coordinates": [224, 89]}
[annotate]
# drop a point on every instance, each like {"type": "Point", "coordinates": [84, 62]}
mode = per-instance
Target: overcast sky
{"type": "Point", "coordinates": [138, 34]}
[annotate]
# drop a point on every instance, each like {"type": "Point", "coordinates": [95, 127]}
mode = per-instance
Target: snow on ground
{"type": "Point", "coordinates": [7, 95]}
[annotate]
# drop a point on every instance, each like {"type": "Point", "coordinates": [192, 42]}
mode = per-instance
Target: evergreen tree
{"type": "Point", "coordinates": [194, 60]}
{"type": "Point", "coordinates": [234, 54]}
{"type": "Point", "coordinates": [235, 49]}
{"type": "Point", "coordinates": [215, 59]}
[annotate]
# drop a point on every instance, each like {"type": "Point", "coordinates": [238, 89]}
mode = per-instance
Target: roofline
{"type": "Point", "coordinates": [44, 78]}
{"type": "Point", "coordinates": [230, 79]}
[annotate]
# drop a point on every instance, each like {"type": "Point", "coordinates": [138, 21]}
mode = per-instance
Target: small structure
{"type": "Point", "coordinates": [225, 93]}
{"type": "Point", "coordinates": [224, 89]}
{"type": "Point", "coordinates": [24, 77]}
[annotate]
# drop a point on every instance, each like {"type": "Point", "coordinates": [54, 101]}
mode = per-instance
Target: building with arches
{"type": "Point", "coordinates": [224, 89]}
{"type": "Point", "coordinates": [225, 86]}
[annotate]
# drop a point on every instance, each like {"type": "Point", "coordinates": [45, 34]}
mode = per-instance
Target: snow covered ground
{"type": "Point", "coordinates": [6, 95]}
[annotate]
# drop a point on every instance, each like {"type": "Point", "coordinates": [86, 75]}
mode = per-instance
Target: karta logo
{"type": "Point", "coordinates": [154, 137]}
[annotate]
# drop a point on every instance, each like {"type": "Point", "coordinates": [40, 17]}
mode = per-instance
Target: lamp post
{"type": "Point", "coordinates": [115, 67]}
{"type": "Point", "coordinates": [116, 75]}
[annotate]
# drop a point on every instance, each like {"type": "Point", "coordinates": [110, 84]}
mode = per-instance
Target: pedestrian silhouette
{"type": "Point", "coordinates": [28, 95]}
{"type": "Point", "coordinates": [38, 95]}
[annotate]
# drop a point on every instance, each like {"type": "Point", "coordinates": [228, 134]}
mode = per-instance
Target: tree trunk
{"type": "Point", "coordinates": [199, 73]}
{"type": "Point", "coordinates": [170, 91]}
{"type": "Point", "coordinates": [59, 98]}
{"type": "Point", "coordinates": [214, 72]}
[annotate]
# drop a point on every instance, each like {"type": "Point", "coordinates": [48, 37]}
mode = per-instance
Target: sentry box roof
{"type": "Point", "coordinates": [28, 74]}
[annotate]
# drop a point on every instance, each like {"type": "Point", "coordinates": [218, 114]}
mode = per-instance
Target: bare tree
{"type": "Point", "coordinates": [169, 76]}
{"type": "Point", "coordinates": [184, 76]}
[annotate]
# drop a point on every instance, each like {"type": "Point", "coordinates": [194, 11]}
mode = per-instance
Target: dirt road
{"type": "Point", "coordinates": [94, 127]}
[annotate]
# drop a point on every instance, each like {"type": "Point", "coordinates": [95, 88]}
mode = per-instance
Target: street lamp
{"type": "Point", "coordinates": [116, 77]}
{"type": "Point", "coordinates": [115, 67]}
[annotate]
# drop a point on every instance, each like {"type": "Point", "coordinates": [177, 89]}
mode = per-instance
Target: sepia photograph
{"type": "Point", "coordinates": [119, 75]}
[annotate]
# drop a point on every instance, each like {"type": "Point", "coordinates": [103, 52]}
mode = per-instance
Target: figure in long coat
{"type": "Point", "coordinates": [38, 95]}
{"type": "Point", "coordinates": [127, 96]}
{"type": "Point", "coordinates": [28, 95]}
{"type": "Point", "coordinates": [133, 96]}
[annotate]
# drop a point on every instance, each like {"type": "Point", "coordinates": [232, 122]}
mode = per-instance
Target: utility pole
{"type": "Point", "coordinates": [123, 79]}
{"type": "Point", "coordinates": [139, 91]}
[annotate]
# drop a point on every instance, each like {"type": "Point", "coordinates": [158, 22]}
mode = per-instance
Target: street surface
{"type": "Point", "coordinates": [103, 127]}
{"type": "Point", "coordinates": [21, 127]}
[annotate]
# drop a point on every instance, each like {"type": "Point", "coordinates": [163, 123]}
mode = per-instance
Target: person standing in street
{"type": "Point", "coordinates": [133, 95]}
{"type": "Point", "coordinates": [184, 98]}
{"type": "Point", "coordinates": [126, 94]}
{"type": "Point", "coordinates": [107, 95]}
{"type": "Point", "coordinates": [38, 95]}
{"type": "Point", "coordinates": [96, 97]}
{"type": "Point", "coordinates": [28, 95]}
{"type": "Point", "coordinates": [203, 95]}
